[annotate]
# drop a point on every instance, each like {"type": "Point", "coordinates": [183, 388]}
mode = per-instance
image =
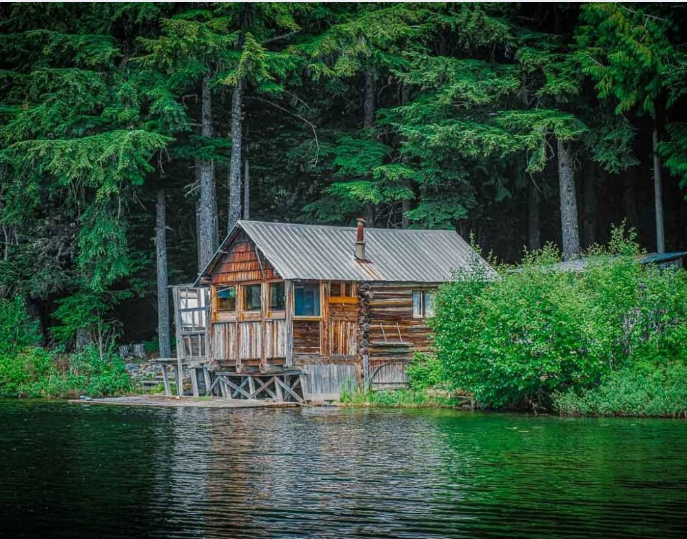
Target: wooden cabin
{"type": "Point", "coordinates": [326, 306]}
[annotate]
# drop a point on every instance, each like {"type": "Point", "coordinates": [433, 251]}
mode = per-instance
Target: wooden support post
{"type": "Point", "coordinates": [165, 380]}
{"type": "Point", "coordinates": [178, 373]}
{"type": "Point", "coordinates": [277, 387]}
{"type": "Point", "coordinates": [194, 382]}
{"type": "Point", "coordinates": [208, 381]}
{"type": "Point", "coordinates": [251, 387]}
{"type": "Point", "coordinates": [304, 387]}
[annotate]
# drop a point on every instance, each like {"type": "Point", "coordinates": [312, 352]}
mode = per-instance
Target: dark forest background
{"type": "Point", "coordinates": [518, 124]}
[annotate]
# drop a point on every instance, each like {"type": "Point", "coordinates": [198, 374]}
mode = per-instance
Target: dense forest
{"type": "Point", "coordinates": [127, 128]}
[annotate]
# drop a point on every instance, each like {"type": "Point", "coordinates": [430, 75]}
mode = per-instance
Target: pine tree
{"type": "Point", "coordinates": [627, 52]}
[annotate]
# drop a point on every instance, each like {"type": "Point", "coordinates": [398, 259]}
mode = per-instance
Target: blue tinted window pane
{"type": "Point", "coordinates": [307, 300]}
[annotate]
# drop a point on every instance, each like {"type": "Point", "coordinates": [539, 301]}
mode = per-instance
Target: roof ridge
{"type": "Point", "coordinates": [342, 227]}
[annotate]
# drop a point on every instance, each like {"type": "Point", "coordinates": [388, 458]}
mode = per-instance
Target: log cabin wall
{"type": "Point", "coordinates": [396, 330]}
{"type": "Point", "coordinates": [239, 337]}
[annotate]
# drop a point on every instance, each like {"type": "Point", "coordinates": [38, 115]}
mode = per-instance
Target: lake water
{"type": "Point", "coordinates": [96, 471]}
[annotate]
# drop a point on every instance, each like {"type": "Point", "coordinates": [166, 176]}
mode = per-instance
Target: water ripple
{"type": "Point", "coordinates": [80, 471]}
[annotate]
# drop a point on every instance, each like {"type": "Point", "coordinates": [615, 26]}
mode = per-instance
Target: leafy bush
{"type": "Point", "coordinates": [637, 390]}
{"type": "Point", "coordinates": [30, 371]}
{"type": "Point", "coordinates": [35, 372]}
{"type": "Point", "coordinates": [537, 330]}
{"type": "Point", "coordinates": [425, 372]}
{"type": "Point", "coordinates": [17, 330]}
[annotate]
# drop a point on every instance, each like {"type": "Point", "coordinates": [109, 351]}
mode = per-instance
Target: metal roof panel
{"type": "Point", "coordinates": [321, 252]}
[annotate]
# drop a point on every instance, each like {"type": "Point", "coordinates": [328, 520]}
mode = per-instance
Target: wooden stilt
{"type": "Point", "coordinates": [165, 380]}
{"type": "Point", "coordinates": [194, 382]}
{"type": "Point", "coordinates": [208, 381]}
{"type": "Point", "coordinates": [179, 380]}
{"type": "Point", "coordinates": [277, 388]}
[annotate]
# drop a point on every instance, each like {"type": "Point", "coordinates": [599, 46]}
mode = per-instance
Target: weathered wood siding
{"type": "Point", "coordinates": [394, 334]}
{"type": "Point", "coordinates": [223, 341]}
{"type": "Point", "coordinates": [275, 339]}
{"type": "Point", "coordinates": [391, 321]}
{"type": "Point", "coordinates": [306, 337]}
{"type": "Point", "coordinates": [242, 263]}
{"type": "Point", "coordinates": [250, 340]}
{"type": "Point", "coordinates": [324, 381]}
{"type": "Point", "coordinates": [343, 330]}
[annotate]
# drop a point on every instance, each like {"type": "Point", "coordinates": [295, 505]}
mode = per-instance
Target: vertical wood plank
{"type": "Point", "coordinates": [177, 322]}
{"type": "Point", "coordinates": [325, 349]}
{"type": "Point", "coordinates": [263, 326]}
{"type": "Point", "coordinates": [288, 287]}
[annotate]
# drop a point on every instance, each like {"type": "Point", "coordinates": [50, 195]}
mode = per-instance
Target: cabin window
{"type": "Point", "coordinates": [277, 297]}
{"type": "Point", "coordinates": [341, 289]}
{"type": "Point", "coordinates": [252, 297]}
{"type": "Point", "coordinates": [423, 305]}
{"type": "Point", "coordinates": [307, 298]}
{"type": "Point", "coordinates": [226, 298]}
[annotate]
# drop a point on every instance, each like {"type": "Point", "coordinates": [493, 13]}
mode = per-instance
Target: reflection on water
{"type": "Point", "coordinates": [80, 471]}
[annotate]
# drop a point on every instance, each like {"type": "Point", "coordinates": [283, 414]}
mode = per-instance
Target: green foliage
{"type": "Point", "coordinates": [17, 330]}
{"type": "Point", "coordinates": [425, 372]}
{"type": "Point", "coordinates": [100, 106]}
{"type": "Point", "coordinates": [627, 52]}
{"type": "Point", "coordinates": [399, 398]}
{"type": "Point", "coordinates": [640, 390]}
{"type": "Point", "coordinates": [538, 330]}
{"type": "Point", "coordinates": [86, 313]}
{"type": "Point", "coordinates": [37, 373]}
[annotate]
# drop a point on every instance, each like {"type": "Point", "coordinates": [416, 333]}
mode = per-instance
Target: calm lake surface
{"type": "Point", "coordinates": [96, 471]}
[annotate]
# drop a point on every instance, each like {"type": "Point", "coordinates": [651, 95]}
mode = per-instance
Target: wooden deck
{"type": "Point", "coordinates": [185, 402]}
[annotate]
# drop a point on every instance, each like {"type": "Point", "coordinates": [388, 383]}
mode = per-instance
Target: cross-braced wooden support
{"type": "Point", "coordinates": [281, 387]}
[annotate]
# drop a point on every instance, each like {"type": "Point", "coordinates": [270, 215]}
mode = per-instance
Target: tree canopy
{"type": "Point", "coordinates": [515, 123]}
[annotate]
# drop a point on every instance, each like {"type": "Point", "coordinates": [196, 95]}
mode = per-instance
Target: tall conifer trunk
{"type": "Point", "coordinates": [235, 162]}
{"type": "Point", "coordinates": [533, 221]}
{"type": "Point", "coordinates": [566, 176]}
{"type": "Point", "coordinates": [368, 121]}
{"type": "Point", "coordinates": [246, 190]}
{"type": "Point", "coordinates": [589, 220]}
{"type": "Point", "coordinates": [207, 222]}
{"type": "Point", "coordinates": [369, 99]}
{"type": "Point", "coordinates": [163, 333]}
{"type": "Point", "coordinates": [658, 195]}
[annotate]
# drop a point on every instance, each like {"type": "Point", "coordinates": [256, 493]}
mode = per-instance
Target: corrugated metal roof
{"type": "Point", "coordinates": [327, 252]}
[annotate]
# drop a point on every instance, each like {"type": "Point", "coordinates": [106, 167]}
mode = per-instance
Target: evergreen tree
{"type": "Point", "coordinates": [627, 52]}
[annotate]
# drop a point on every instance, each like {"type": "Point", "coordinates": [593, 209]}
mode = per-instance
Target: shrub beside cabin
{"type": "Point", "coordinates": [297, 312]}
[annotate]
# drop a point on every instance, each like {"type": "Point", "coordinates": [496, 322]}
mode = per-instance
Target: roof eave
{"type": "Point", "coordinates": [201, 280]}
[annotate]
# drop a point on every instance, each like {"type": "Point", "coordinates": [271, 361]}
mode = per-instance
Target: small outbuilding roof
{"type": "Point", "coordinates": [328, 253]}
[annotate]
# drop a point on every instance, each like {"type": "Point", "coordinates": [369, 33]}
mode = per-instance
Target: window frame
{"type": "Point", "coordinates": [343, 297]}
{"type": "Point", "coordinates": [270, 310]}
{"type": "Point", "coordinates": [320, 294]}
{"type": "Point", "coordinates": [219, 289]}
{"type": "Point", "coordinates": [244, 298]}
{"type": "Point", "coordinates": [425, 299]}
